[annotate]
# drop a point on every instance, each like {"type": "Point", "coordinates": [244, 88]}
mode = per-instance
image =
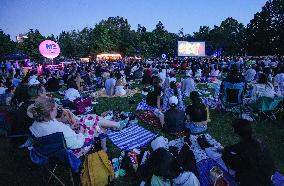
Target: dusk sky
{"type": "Point", "coordinates": [54, 16]}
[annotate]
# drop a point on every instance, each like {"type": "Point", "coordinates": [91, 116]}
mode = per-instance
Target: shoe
{"type": "Point", "coordinates": [203, 143]}
{"type": "Point", "coordinates": [123, 124]}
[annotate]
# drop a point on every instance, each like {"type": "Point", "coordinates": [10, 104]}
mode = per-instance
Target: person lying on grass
{"type": "Point", "coordinates": [78, 135]}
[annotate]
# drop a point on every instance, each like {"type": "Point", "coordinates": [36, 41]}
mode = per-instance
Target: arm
{"type": "Point", "coordinates": [159, 102]}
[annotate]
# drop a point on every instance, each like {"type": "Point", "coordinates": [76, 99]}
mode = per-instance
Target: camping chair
{"type": "Point", "coordinates": [232, 97]}
{"type": "Point", "coordinates": [266, 107]}
{"type": "Point", "coordinates": [51, 149]}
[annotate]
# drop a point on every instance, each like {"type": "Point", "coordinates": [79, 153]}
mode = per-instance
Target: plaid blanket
{"type": "Point", "coordinates": [131, 137]}
{"type": "Point", "coordinates": [142, 105]}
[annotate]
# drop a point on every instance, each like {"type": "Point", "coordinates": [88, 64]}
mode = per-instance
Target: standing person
{"type": "Point", "coordinates": [249, 157]}
{"type": "Point", "coordinates": [187, 85]}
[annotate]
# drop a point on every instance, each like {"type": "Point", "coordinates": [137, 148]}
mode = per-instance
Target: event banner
{"type": "Point", "coordinates": [186, 48]}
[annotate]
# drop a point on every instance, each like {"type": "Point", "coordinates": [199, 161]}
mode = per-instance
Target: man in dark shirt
{"type": "Point", "coordinates": [249, 158]}
{"type": "Point", "coordinates": [174, 118]}
{"type": "Point", "coordinates": [234, 78]}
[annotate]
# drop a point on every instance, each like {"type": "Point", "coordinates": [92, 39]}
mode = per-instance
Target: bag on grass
{"type": "Point", "coordinates": [97, 170]}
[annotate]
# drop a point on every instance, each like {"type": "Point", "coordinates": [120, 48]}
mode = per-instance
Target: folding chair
{"type": "Point", "coordinates": [51, 149]}
{"type": "Point", "coordinates": [232, 97]}
{"type": "Point", "coordinates": [266, 107]}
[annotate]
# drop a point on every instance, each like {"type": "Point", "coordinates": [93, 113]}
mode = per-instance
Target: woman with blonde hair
{"type": "Point", "coordinates": [78, 136]}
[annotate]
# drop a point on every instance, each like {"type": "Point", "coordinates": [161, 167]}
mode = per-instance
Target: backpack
{"type": "Point", "coordinates": [97, 170]}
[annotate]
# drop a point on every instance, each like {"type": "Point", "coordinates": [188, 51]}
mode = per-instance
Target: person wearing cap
{"type": "Point", "coordinates": [187, 85]}
{"type": "Point", "coordinates": [249, 157]}
{"type": "Point", "coordinates": [174, 119]}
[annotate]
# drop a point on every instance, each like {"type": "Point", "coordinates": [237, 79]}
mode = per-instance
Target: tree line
{"type": "Point", "coordinates": [263, 35]}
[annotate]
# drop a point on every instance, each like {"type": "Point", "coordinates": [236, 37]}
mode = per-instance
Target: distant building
{"type": "Point", "coordinates": [20, 38]}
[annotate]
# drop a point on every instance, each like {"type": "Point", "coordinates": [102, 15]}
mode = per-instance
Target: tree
{"type": "Point", "coordinates": [67, 45]}
{"type": "Point", "coordinates": [31, 43]}
{"type": "Point", "coordinates": [6, 45]}
{"type": "Point", "coordinates": [265, 32]}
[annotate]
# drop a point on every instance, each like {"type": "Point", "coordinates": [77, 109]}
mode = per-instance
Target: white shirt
{"type": "Point", "coordinates": [186, 179]}
{"type": "Point", "coordinates": [73, 140]}
{"type": "Point", "coordinates": [71, 94]}
{"type": "Point", "coordinates": [250, 74]}
{"type": "Point", "coordinates": [262, 90]}
{"type": "Point", "coordinates": [2, 90]}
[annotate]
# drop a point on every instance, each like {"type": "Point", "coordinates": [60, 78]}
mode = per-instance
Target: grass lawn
{"type": "Point", "coordinates": [16, 168]}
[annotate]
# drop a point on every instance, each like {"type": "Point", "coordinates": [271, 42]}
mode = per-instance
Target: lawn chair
{"type": "Point", "coordinates": [52, 150]}
{"type": "Point", "coordinates": [232, 97]}
{"type": "Point", "coordinates": [266, 107]}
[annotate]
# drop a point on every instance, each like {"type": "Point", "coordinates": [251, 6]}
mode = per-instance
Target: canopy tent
{"type": "Point", "coordinates": [17, 56]}
{"type": "Point", "coordinates": [109, 56]}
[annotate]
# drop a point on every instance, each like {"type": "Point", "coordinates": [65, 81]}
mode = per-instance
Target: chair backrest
{"type": "Point", "coordinates": [53, 147]}
{"type": "Point", "coordinates": [233, 92]}
{"type": "Point", "coordinates": [269, 104]}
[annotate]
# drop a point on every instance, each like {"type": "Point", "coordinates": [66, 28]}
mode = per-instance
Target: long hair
{"type": "Point", "coordinates": [174, 88]}
{"type": "Point", "coordinates": [41, 109]}
{"type": "Point", "coordinates": [196, 100]}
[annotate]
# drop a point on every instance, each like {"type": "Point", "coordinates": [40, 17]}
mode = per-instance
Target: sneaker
{"type": "Point", "coordinates": [123, 123]}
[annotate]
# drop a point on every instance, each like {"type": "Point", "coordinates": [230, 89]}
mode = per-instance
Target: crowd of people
{"type": "Point", "coordinates": [167, 85]}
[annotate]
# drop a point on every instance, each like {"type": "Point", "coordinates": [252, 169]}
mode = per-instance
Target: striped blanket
{"type": "Point", "coordinates": [142, 105]}
{"type": "Point", "coordinates": [131, 137]}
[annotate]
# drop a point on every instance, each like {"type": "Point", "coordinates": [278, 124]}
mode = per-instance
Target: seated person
{"type": "Point", "coordinates": [173, 91]}
{"type": "Point", "coordinates": [147, 76]}
{"type": "Point", "coordinates": [78, 138]}
{"type": "Point", "coordinates": [172, 77]}
{"type": "Point", "coordinates": [70, 95]}
{"type": "Point", "coordinates": [154, 97]}
{"type": "Point", "coordinates": [197, 114]}
{"type": "Point", "coordinates": [174, 119]}
{"type": "Point", "coordinates": [279, 80]}
{"type": "Point", "coordinates": [110, 85]}
{"type": "Point", "coordinates": [160, 167]}
{"type": "Point", "coordinates": [138, 73]}
{"type": "Point", "coordinates": [21, 120]}
{"type": "Point", "coordinates": [262, 88]}
{"type": "Point", "coordinates": [249, 158]}
{"type": "Point", "coordinates": [235, 78]}
{"type": "Point", "coordinates": [5, 99]}
{"type": "Point", "coordinates": [250, 74]}
{"type": "Point", "coordinates": [79, 82]}
{"type": "Point", "coordinates": [188, 171]}
{"type": "Point", "coordinates": [52, 84]}
{"type": "Point", "coordinates": [119, 87]}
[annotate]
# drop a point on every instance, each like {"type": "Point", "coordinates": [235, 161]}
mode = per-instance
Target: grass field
{"type": "Point", "coordinates": [16, 168]}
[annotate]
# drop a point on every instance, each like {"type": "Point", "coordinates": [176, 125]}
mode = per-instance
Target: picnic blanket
{"type": "Point", "coordinates": [102, 93]}
{"type": "Point", "coordinates": [206, 159]}
{"type": "Point", "coordinates": [134, 136]}
{"type": "Point", "coordinates": [149, 117]}
{"type": "Point", "coordinates": [142, 105]}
